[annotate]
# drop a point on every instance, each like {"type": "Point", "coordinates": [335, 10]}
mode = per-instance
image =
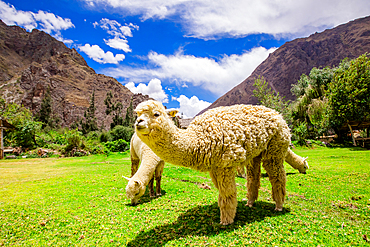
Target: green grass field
{"type": "Point", "coordinates": [82, 202]}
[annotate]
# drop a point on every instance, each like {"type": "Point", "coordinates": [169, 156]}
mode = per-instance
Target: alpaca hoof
{"type": "Point", "coordinates": [279, 209]}
{"type": "Point", "coordinates": [225, 223]}
{"type": "Point", "coordinates": [152, 196]}
{"type": "Point", "coordinates": [159, 194]}
{"type": "Point", "coordinates": [249, 204]}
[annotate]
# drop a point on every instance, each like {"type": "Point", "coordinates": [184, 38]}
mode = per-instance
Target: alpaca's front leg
{"type": "Point", "coordinates": [276, 173]}
{"type": "Point", "coordinates": [224, 180]}
{"type": "Point", "coordinates": [158, 177]}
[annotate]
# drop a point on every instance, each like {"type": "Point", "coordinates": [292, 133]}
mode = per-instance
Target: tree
{"type": "Point", "coordinates": [46, 115]}
{"type": "Point", "coordinates": [309, 112]}
{"type": "Point", "coordinates": [129, 118]}
{"type": "Point", "coordinates": [25, 133]}
{"type": "Point", "coordinates": [90, 122]}
{"type": "Point", "coordinates": [349, 92]}
{"type": "Point", "coordinates": [269, 98]}
{"type": "Point", "coordinates": [114, 108]}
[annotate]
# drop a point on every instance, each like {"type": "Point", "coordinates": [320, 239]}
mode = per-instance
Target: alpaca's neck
{"type": "Point", "coordinates": [146, 170]}
{"type": "Point", "coordinates": [175, 146]}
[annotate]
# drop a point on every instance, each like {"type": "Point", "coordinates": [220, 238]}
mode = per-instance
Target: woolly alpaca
{"type": "Point", "coordinates": [151, 166]}
{"type": "Point", "coordinates": [218, 141]}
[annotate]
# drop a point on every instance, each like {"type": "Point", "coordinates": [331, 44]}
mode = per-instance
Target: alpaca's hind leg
{"type": "Point", "coordinates": [274, 167]}
{"type": "Point", "coordinates": [224, 180]}
{"type": "Point", "coordinates": [253, 179]}
{"type": "Point", "coordinates": [158, 177]}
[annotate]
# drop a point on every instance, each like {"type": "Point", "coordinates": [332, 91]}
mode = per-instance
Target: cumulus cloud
{"type": "Point", "coordinates": [190, 107]}
{"type": "Point", "coordinates": [119, 44]}
{"type": "Point", "coordinates": [211, 18]}
{"type": "Point", "coordinates": [153, 89]}
{"type": "Point", "coordinates": [217, 77]}
{"type": "Point", "coordinates": [47, 22]}
{"type": "Point", "coordinates": [99, 55]}
{"type": "Point", "coordinates": [119, 33]}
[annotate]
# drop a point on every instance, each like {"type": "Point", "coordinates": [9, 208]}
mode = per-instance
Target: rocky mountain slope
{"type": "Point", "coordinates": [31, 62]}
{"type": "Point", "coordinates": [285, 65]}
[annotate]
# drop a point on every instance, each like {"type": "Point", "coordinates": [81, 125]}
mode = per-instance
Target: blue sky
{"type": "Point", "coordinates": [184, 53]}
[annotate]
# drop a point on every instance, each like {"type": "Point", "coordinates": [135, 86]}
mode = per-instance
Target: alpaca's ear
{"type": "Point", "coordinates": [137, 184]}
{"type": "Point", "coordinates": [126, 178]}
{"type": "Point", "coordinates": [172, 112]}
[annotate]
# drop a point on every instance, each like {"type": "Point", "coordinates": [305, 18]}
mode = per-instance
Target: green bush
{"type": "Point", "coordinates": [105, 137]}
{"type": "Point", "coordinates": [117, 146]}
{"type": "Point", "coordinates": [122, 132]}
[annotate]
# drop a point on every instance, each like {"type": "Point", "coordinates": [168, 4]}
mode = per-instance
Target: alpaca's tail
{"type": "Point", "coordinates": [296, 161]}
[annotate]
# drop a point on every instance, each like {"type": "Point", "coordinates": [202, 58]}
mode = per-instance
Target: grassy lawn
{"type": "Point", "coordinates": [82, 202]}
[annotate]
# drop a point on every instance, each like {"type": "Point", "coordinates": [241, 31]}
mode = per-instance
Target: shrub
{"type": "Point", "coordinates": [105, 137]}
{"type": "Point", "coordinates": [122, 132]}
{"type": "Point", "coordinates": [117, 146]}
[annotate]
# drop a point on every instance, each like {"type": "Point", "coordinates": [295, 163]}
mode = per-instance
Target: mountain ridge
{"type": "Point", "coordinates": [32, 62]}
{"type": "Point", "coordinates": [285, 65]}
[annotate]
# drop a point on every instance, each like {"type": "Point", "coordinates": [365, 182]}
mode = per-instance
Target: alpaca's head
{"type": "Point", "coordinates": [152, 118]}
{"type": "Point", "coordinates": [134, 190]}
{"type": "Point", "coordinates": [305, 166]}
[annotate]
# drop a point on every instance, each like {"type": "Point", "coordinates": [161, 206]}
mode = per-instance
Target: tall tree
{"type": "Point", "coordinates": [349, 92]}
{"type": "Point", "coordinates": [129, 118]}
{"type": "Point", "coordinates": [114, 108]}
{"type": "Point", "coordinates": [269, 98]}
{"type": "Point", "coordinates": [90, 122]}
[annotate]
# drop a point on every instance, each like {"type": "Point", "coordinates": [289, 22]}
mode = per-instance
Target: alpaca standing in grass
{"type": "Point", "coordinates": [151, 167]}
{"type": "Point", "coordinates": [218, 141]}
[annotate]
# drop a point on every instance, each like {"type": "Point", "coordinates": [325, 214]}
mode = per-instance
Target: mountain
{"type": "Point", "coordinates": [285, 65]}
{"type": "Point", "coordinates": [32, 62]}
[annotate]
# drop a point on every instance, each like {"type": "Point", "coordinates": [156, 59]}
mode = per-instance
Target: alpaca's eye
{"type": "Point", "coordinates": [156, 114]}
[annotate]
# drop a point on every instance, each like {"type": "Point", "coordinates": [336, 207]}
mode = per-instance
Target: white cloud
{"type": "Point", "coordinates": [217, 77]}
{"type": "Point", "coordinates": [98, 55]}
{"type": "Point", "coordinates": [119, 44]}
{"type": "Point", "coordinates": [209, 18]}
{"type": "Point", "coordinates": [11, 16]}
{"type": "Point", "coordinates": [119, 33]}
{"type": "Point", "coordinates": [190, 107]}
{"type": "Point", "coordinates": [48, 22]}
{"type": "Point", "coordinates": [153, 89]}
{"type": "Point", "coordinates": [114, 28]}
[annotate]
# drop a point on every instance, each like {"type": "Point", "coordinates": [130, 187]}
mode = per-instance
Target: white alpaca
{"type": "Point", "coordinates": [151, 167]}
{"type": "Point", "coordinates": [218, 141]}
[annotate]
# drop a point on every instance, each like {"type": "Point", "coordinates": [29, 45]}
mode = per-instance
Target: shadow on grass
{"type": "Point", "coordinates": [204, 221]}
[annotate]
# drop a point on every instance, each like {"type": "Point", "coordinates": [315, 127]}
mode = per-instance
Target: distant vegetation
{"type": "Point", "coordinates": [82, 138]}
{"type": "Point", "coordinates": [326, 99]}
